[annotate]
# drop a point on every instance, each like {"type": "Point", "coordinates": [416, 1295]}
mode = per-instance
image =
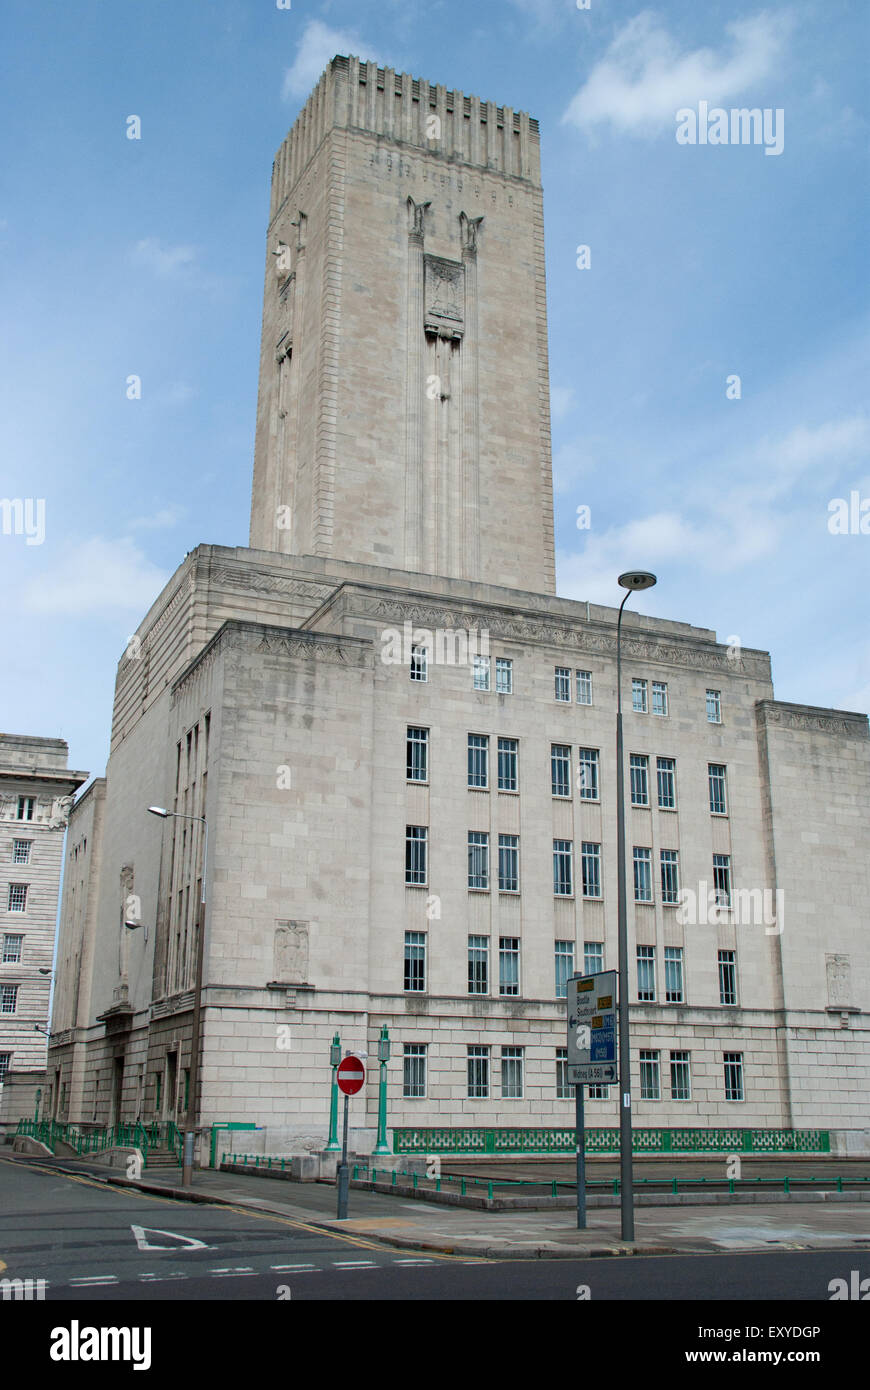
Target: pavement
{"type": "Point", "coordinates": [834, 1222]}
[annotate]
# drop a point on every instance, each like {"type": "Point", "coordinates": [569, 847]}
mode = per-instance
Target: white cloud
{"type": "Point", "coordinates": [562, 401]}
{"type": "Point", "coordinates": [168, 516]}
{"type": "Point", "coordinates": [98, 576]}
{"type": "Point", "coordinates": [161, 259]}
{"type": "Point", "coordinates": [317, 46]}
{"type": "Point", "coordinates": [645, 77]}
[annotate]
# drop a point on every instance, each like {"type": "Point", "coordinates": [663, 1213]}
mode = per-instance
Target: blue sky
{"type": "Point", "coordinates": [145, 257]}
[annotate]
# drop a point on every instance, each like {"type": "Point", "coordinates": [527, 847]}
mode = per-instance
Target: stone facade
{"type": "Point", "coordinates": [274, 691]}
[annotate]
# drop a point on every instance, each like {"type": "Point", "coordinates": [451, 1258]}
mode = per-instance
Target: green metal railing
{"type": "Point", "coordinates": [606, 1141]}
{"type": "Point", "coordinates": [162, 1135]}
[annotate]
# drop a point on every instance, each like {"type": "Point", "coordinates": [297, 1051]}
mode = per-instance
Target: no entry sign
{"type": "Point", "coordinates": [351, 1076]}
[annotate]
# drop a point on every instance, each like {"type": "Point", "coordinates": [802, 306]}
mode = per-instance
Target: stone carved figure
{"type": "Point", "coordinates": [291, 952]}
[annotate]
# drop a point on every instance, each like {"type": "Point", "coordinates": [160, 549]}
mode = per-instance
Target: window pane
{"type": "Point", "coordinates": [563, 683]}
{"type": "Point", "coordinates": [504, 678]}
{"type": "Point", "coordinates": [478, 760]}
{"type": "Point", "coordinates": [509, 965]}
{"type": "Point", "coordinates": [673, 974]}
{"type": "Point", "coordinates": [718, 799]}
{"type": "Point", "coordinates": [509, 863]}
{"type": "Point", "coordinates": [417, 757]}
{"type": "Point", "coordinates": [562, 874]}
{"type": "Point", "coordinates": [560, 769]}
{"type": "Point", "coordinates": [638, 696]}
{"type": "Point", "coordinates": [587, 773]}
{"type": "Point", "coordinates": [414, 1071]}
{"type": "Point", "coordinates": [478, 859]}
{"type": "Point", "coordinates": [727, 977]}
{"type": "Point", "coordinates": [478, 1073]}
{"type": "Point", "coordinates": [639, 776]}
{"type": "Point", "coordinates": [564, 966]}
{"type": "Point", "coordinates": [415, 960]}
{"type": "Point", "coordinates": [415, 854]}
{"type": "Point", "coordinates": [659, 697]}
{"type": "Point", "coordinates": [646, 974]}
{"type": "Point", "coordinates": [584, 687]}
{"type": "Point", "coordinates": [478, 965]}
{"type": "Point", "coordinates": [670, 876]}
{"type": "Point", "coordinates": [649, 1075]}
{"type": "Point", "coordinates": [512, 1073]}
{"type": "Point", "coordinates": [507, 764]}
{"type": "Point", "coordinates": [591, 869]}
{"type": "Point", "coordinates": [593, 957]}
{"type": "Point", "coordinates": [480, 669]}
{"type": "Point", "coordinates": [666, 773]}
{"type": "Point", "coordinates": [643, 875]}
{"type": "Point", "coordinates": [714, 707]}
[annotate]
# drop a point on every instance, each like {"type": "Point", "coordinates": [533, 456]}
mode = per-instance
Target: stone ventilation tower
{"type": "Point", "coordinates": [403, 415]}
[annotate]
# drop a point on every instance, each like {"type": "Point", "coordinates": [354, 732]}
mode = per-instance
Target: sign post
{"type": "Point", "coordinates": [591, 1003]}
{"type": "Point", "coordinates": [350, 1077]}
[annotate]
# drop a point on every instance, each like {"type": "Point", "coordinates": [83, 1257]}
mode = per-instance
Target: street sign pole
{"type": "Point", "coordinates": [581, 1158]}
{"type": "Point", "coordinates": [343, 1174]}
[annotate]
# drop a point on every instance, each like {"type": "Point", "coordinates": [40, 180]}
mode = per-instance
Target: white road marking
{"type": "Point", "coordinates": [84, 1280]}
{"type": "Point", "coordinates": [295, 1269]}
{"type": "Point", "coordinates": [182, 1242]}
{"type": "Point", "coordinates": [229, 1272]}
{"type": "Point", "coordinates": [157, 1278]}
{"type": "Point", "coordinates": [413, 1262]}
{"type": "Point", "coordinates": [354, 1264]}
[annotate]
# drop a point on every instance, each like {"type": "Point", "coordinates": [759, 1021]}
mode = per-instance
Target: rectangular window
{"type": "Point", "coordinates": [17, 900]}
{"type": "Point", "coordinates": [8, 999]}
{"type": "Point", "coordinates": [563, 877]}
{"type": "Point", "coordinates": [512, 1073]}
{"type": "Point", "coordinates": [414, 1071]}
{"type": "Point", "coordinates": [12, 949]}
{"type": "Point", "coordinates": [21, 851]}
{"type": "Point", "coordinates": [415, 961]}
{"type": "Point", "coordinates": [563, 1090]}
{"type": "Point", "coordinates": [587, 773]}
{"type": "Point", "coordinates": [6, 1059]}
{"type": "Point", "coordinates": [508, 965]}
{"type": "Point", "coordinates": [638, 696]}
{"type": "Point", "coordinates": [478, 965]}
{"type": "Point", "coordinates": [598, 1092]}
{"type": "Point", "coordinates": [509, 863]}
{"type": "Point", "coordinates": [733, 1075]}
{"type": "Point", "coordinates": [674, 975]}
{"type": "Point", "coordinates": [419, 663]}
{"type": "Point", "coordinates": [560, 769]}
{"type": "Point", "coordinates": [642, 875]}
{"type": "Point", "coordinates": [650, 1081]}
{"type": "Point", "coordinates": [478, 1072]}
{"type": "Point", "coordinates": [590, 864]}
{"type": "Point", "coordinates": [718, 794]}
{"type": "Point", "coordinates": [26, 807]}
{"type": "Point", "coordinates": [508, 754]}
{"type": "Point", "coordinates": [593, 957]}
{"type": "Point", "coordinates": [417, 755]}
{"type": "Point", "coordinates": [478, 859]}
{"type": "Point", "coordinates": [564, 966]}
{"type": "Point", "coordinates": [646, 974]}
{"type": "Point", "coordinates": [416, 841]}
{"type": "Point", "coordinates": [714, 707]}
{"type": "Point", "coordinates": [504, 675]}
{"type": "Point", "coordinates": [584, 687]}
{"type": "Point", "coordinates": [670, 864]}
{"type": "Point", "coordinates": [727, 977]}
{"type": "Point", "coordinates": [681, 1080]}
{"type": "Point", "coordinates": [667, 783]}
{"type": "Point", "coordinates": [659, 697]}
{"type": "Point", "coordinates": [639, 774]}
{"type": "Point", "coordinates": [480, 672]}
{"type": "Point", "coordinates": [722, 879]}
{"type": "Point", "coordinates": [478, 760]}
{"type": "Point", "coordinates": [563, 683]}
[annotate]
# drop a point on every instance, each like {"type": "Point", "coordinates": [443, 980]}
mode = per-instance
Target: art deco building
{"type": "Point", "coordinates": [403, 741]}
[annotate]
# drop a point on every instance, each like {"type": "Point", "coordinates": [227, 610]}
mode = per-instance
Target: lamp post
{"type": "Point", "coordinates": [334, 1058]}
{"type": "Point", "coordinates": [381, 1146]}
{"type": "Point", "coordinates": [192, 1116]}
{"type": "Point", "coordinates": [632, 581]}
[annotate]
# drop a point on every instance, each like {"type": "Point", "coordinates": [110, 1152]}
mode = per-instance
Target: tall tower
{"type": "Point", "coordinates": [403, 416]}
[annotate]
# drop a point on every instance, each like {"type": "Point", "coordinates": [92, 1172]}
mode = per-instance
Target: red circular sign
{"type": "Point", "coordinates": [351, 1076]}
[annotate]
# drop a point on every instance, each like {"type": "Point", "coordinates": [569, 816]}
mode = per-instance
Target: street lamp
{"type": "Point", "coordinates": [334, 1059]}
{"type": "Point", "coordinates": [191, 1115]}
{"type": "Point", "coordinates": [381, 1146]}
{"type": "Point", "coordinates": [632, 581]}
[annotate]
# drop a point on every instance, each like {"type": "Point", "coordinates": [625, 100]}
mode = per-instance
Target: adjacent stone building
{"type": "Point", "coordinates": [36, 793]}
{"type": "Point", "coordinates": [403, 742]}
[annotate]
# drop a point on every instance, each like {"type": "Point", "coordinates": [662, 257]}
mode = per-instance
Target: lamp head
{"type": "Point", "coordinates": [159, 811]}
{"type": "Point", "coordinates": [637, 579]}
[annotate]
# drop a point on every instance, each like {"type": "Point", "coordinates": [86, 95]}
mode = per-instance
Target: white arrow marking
{"type": "Point", "coordinates": [184, 1242]}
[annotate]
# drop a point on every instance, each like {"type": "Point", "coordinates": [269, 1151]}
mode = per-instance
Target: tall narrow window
{"type": "Point", "coordinates": [415, 961]}
{"type": "Point", "coordinates": [638, 696]}
{"type": "Point", "coordinates": [718, 795]}
{"type": "Point", "coordinates": [17, 900]}
{"type": "Point", "coordinates": [416, 841]}
{"type": "Point", "coordinates": [733, 1062]}
{"type": "Point", "coordinates": [714, 707]}
{"type": "Point", "coordinates": [563, 683]}
{"type": "Point", "coordinates": [587, 773]}
{"type": "Point", "coordinates": [584, 687]}
{"type": "Point", "coordinates": [480, 670]}
{"type": "Point", "coordinates": [512, 1073]}
{"type": "Point", "coordinates": [560, 769]}
{"type": "Point", "coordinates": [674, 975]}
{"type": "Point", "coordinates": [417, 755]}
{"type": "Point", "coordinates": [508, 755]}
{"type": "Point", "coordinates": [667, 783]}
{"type": "Point", "coordinates": [478, 1072]}
{"type": "Point", "coordinates": [509, 863]}
{"type": "Point", "coordinates": [414, 1071]}
{"type": "Point", "coordinates": [563, 878]}
{"type": "Point", "coordinates": [478, 760]}
{"type": "Point", "coordinates": [650, 1081]}
{"type": "Point", "coordinates": [26, 807]}
{"type": "Point", "coordinates": [727, 977]}
{"type": "Point", "coordinates": [509, 965]}
{"type": "Point", "coordinates": [659, 697]}
{"type": "Point", "coordinates": [6, 1061]}
{"type": "Point", "coordinates": [478, 965]}
{"type": "Point", "coordinates": [419, 663]}
{"type": "Point", "coordinates": [681, 1081]}
{"type": "Point", "coordinates": [639, 772]}
{"type": "Point", "coordinates": [564, 1091]}
{"type": "Point", "coordinates": [564, 966]}
{"type": "Point", "coordinates": [646, 974]}
{"type": "Point", "coordinates": [593, 957]}
{"type": "Point", "coordinates": [478, 859]}
{"type": "Point", "coordinates": [670, 877]}
{"type": "Point", "coordinates": [504, 675]}
{"type": "Point", "coordinates": [642, 875]}
{"type": "Point", "coordinates": [591, 869]}
{"type": "Point", "coordinates": [722, 879]}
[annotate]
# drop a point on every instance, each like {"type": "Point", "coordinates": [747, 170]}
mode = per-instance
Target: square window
{"type": "Point", "coordinates": [26, 807]}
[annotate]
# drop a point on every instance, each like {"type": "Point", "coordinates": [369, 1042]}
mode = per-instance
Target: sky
{"type": "Point", "coordinates": [708, 352]}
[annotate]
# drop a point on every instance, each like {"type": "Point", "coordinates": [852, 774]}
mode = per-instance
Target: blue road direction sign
{"type": "Point", "coordinates": [592, 1030]}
